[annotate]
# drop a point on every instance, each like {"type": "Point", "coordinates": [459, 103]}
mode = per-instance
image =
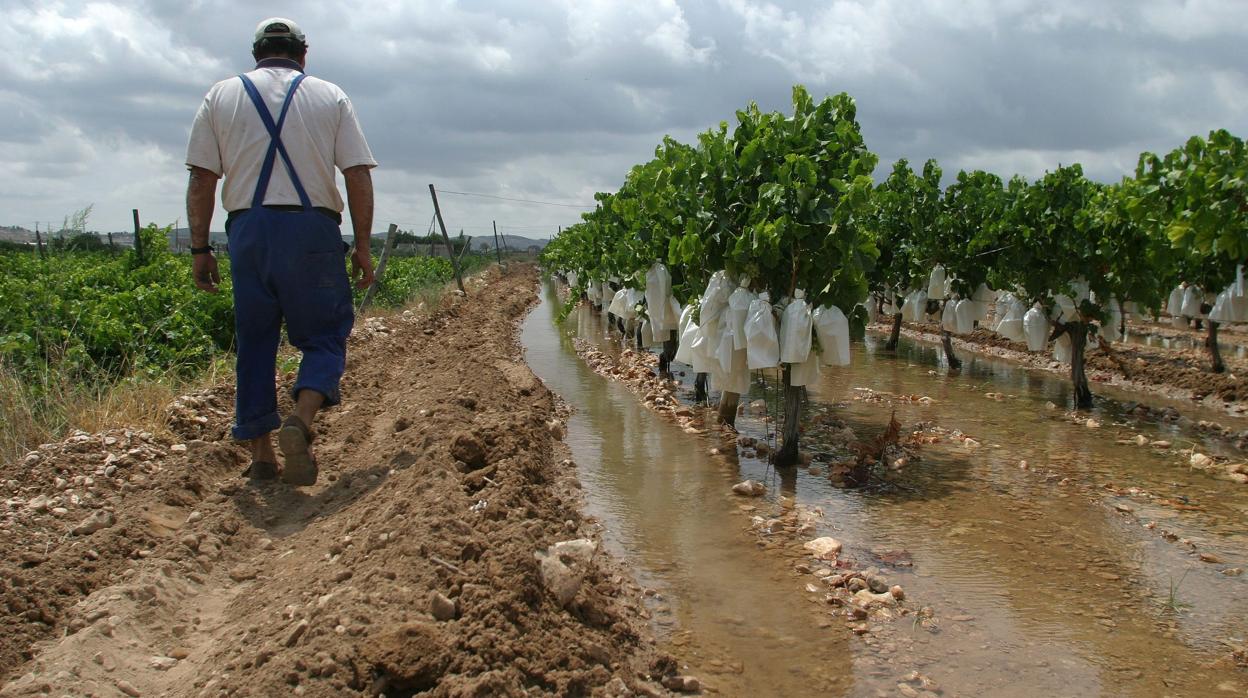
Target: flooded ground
{"type": "Point", "coordinates": [1079, 574]}
{"type": "Point", "coordinates": [1152, 339]}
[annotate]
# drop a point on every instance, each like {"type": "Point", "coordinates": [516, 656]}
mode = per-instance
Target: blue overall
{"type": "Point", "coordinates": [285, 264]}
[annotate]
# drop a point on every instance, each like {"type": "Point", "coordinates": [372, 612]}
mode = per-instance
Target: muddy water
{"type": "Point", "coordinates": [665, 507]}
{"type": "Point", "coordinates": [1078, 575]}
{"type": "Point", "coordinates": [1149, 339]}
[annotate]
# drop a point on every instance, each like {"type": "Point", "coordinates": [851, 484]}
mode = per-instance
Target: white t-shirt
{"type": "Point", "coordinates": [320, 133]}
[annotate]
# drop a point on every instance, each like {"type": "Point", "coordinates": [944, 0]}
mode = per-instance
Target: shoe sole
{"type": "Point", "coordinates": [300, 467]}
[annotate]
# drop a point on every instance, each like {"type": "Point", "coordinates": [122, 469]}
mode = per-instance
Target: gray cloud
{"type": "Point", "coordinates": [555, 100]}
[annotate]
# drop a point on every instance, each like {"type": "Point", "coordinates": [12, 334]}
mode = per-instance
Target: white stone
{"type": "Point", "coordinates": [825, 548]}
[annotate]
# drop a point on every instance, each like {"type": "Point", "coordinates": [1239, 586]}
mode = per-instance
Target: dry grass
{"type": "Point", "coordinates": [36, 413]}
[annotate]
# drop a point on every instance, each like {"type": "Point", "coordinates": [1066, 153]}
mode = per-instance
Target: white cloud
{"type": "Point", "coordinates": [555, 100]}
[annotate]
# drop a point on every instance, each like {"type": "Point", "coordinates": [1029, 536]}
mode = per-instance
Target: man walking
{"type": "Point", "coordinates": [276, 136]}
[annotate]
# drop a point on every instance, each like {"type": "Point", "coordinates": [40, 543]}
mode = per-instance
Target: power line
{"type": "Point", "coordinates": [508, 198]}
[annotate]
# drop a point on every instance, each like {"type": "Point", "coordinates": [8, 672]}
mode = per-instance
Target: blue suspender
{"type": "Point", "coordinates": [275, 143]}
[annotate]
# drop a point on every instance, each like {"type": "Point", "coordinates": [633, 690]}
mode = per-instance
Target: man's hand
{"type": "Point", "coordinates": [361, 266]}
{"type": "Point", "coordinates": [204, 271]}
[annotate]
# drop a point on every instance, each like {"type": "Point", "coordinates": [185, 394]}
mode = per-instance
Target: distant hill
{"type": "Point", "coordinates": [514, 243]}
{"type": "Point", "coordinates": [16, 233]}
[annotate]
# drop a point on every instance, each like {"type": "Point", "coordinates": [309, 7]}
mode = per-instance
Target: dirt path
{"type": "Point", "coordinates": [412, 566]}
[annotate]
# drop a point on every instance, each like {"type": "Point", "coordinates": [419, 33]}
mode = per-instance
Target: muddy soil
{"type": "Point", "coordinates": [1181, 374]}
{"type": "Point", "coordinates": [423, 561]}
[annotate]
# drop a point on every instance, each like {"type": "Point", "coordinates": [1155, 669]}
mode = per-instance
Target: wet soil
{"type": "Point", "coordinates": [421, 562]}
{"type": "Point", "coordinates": [1180, 373]}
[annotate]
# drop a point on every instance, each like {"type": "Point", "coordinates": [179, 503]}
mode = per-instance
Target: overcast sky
{"type": "Point", "coordinates": [554, 100]}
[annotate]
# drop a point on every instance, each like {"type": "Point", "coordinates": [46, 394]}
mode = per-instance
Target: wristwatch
{"type": "Point", "coordinates": [208, 249]}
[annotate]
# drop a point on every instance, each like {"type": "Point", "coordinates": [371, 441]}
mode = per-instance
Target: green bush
{"type": "Point", "coordinates": [100, 316]}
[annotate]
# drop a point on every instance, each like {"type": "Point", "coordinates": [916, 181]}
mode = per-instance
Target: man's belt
{"type": "Point", "coordinates": [330, 213]}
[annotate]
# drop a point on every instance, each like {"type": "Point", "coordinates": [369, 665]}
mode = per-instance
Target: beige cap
{"type": "Point", "coordinates": [279, 28]}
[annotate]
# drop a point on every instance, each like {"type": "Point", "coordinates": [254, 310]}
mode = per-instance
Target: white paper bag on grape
{"type": "Point", "coordinates": [872, 311]}
{"type": "Point", "coordinates": [762, 344]}
{"type": "Point", "coordinates": [805, 373]}
{"type": "Point", "coordinates": [647, 335]}
{"type": "Point", "coordinates": [964, 316]}
{"type": "Point", "coordinates": [736, 377]}
{"type": "Point", "coordinates": [949, 317]}
{"type": "Point", "coordinates": [1239, 304]}
{"type": "Point", "coordinates": [795, 329]}
{"type": "Point", "coordinates": [1062, 349]}
{"type": "Point", "coordinates": [738, 309]}
{"type": "Point", "coordinates": [832, 327]}
{"type": "Point", "coordinates": [1064, 309]}
{"type": "Point", "coordinates": [1221, 312]}
{"type": "Point", "coordinates": [1174, 306]}
{"type": "Point", "coordinates": [1011, 326]}
{"type": "Point", "coordinates": [715, 300]}
{"type": "Point", "coordinates": [1036, 329]}
{"type": "Point", "coordinates": [702, 349]}
{"type": "Point", "coordinates": [1192, 298]}
{"type": "Point", "coordinates": [658, 290]}
{"type": "Point", "coordinates": [688, 332]}
{"type": "Point", "coordinates": [936, 283]}
{"type": "Point", "coordinates": [618, 300]}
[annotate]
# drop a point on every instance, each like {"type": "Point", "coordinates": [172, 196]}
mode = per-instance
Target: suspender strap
{"type": "Point", "coordinates": [275, 143]}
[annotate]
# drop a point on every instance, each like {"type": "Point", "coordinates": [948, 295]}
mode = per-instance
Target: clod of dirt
{"type": "Point", "coordinates": [95, 522]}
{"type": "Point", "coordinates": [825, 548]}
{"type": "Point", "coordinates": [682, 684]}
{"type": "Point", "coordinates": [750, 488]}
{"type": "Point", "coordinates": [556, 429]}
{"type": "Point", "coordinates": [467, 449]}
{"type": "Point", "coordinates": [559, 579]}
{"type": "Point", "coordinates": [579, 551]}
{"type": "Point", "coordinates": [441, 607]}
{"type": "Point", "coordinates": [292, 638]}
{"type": "Point", "coordinates": [243, 573]}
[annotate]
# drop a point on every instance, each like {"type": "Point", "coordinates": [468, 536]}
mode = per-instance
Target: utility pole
{"type": "Point", "coordinates": [437, 212]}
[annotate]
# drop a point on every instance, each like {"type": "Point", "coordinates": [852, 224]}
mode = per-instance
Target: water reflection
{"type": "Point", "coordinates": [1045, 579]}
{"type": "Point", "coordinates": [666, 506]}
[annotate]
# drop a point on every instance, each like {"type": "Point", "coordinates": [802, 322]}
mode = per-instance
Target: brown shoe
{"type": "Point", "coordinates": [295, 440]}
{"type": "Point", "coordinates": [260, 470]}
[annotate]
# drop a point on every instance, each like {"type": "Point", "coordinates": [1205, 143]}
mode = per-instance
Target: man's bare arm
{"type": "Point", "coordinates": [201, 191]}
{"type": "Point", "coordinates": [359, 181]}
{"type": "Point", "coordinates": [360, 200]}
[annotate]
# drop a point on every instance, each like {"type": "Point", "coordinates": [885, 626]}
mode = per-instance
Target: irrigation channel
{"type": "Point", "coordinates": [1078, 574]}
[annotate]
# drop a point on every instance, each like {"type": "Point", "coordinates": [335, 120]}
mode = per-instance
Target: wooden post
{"type": "Point", "coordinates": [437, 212]}
{"type": "Point", "coordinates": [497, 252]}
{"type": "Point", "coordinates": [138, 236]}
{"type": "Point", "coordinates": [110, 244]}
{"type": "Point", "coordinates": [391, 234]}
{"type": "Point", "coordinates": [39, 243]}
